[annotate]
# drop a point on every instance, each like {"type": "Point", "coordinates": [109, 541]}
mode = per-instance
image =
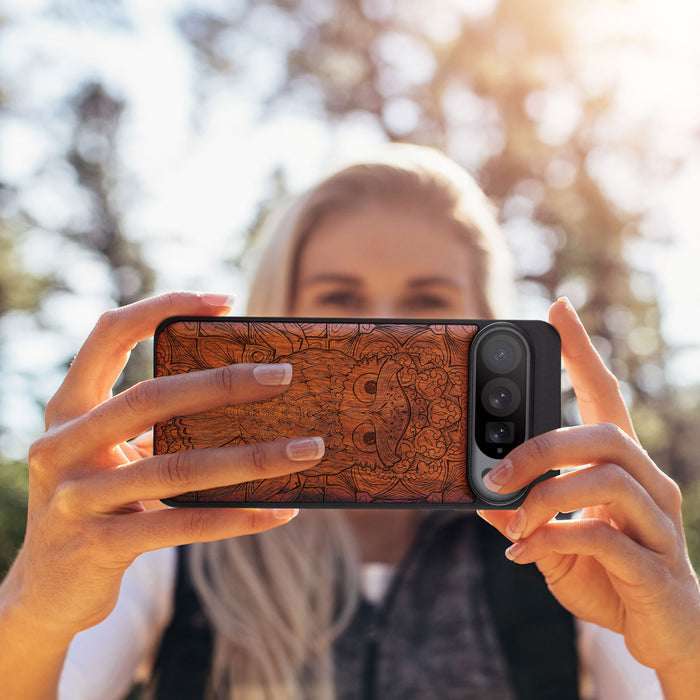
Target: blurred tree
{"type": "Point", "coordinates": [93, 154]}
{"type": "Point", "coordinates": [92, 233]}
{"type": "Point", "coordinates": [97, 233]}
{"type": "Point", "coordinates": [18, 291]}
{"type": "Point", "coordinates": [502, 88]}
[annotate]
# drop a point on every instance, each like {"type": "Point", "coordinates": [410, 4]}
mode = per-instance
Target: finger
{"type": "Point", "coordinates": [143, 444]}
{"type": "Point", "coordinates": [155, 400]}
{"type": "Point", "coordinates": [596, 388]}
{"type": "Point", "coordinates": [579, 445]}
{"type": "Point", "coordinates": [614, 550]}
{"type": "Point", "coordinates": [606, 486]}
{"type": "Point", "coordinates": [497, 518]}
{"type": "Point", "coordinates": [138, 448]}
{"type": "Point", "coordinates": [165, 476]}
{"type": "Point", "coordinates": [102, 357]}
{"type": "Point", "coordinates": [155, 529]}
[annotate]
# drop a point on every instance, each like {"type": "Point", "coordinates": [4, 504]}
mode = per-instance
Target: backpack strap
{"type": "Point", "coordinates": [183, 664]}
{"type": "Point", "coordinates": [536, 633]}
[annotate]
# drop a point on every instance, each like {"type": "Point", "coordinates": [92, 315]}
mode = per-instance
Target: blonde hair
{"type": "Point", "coordinates": [277, 600]}
{"type": "Point", "coordinates": [404, 175]}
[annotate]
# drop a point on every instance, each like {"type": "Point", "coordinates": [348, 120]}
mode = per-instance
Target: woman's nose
{"type": "Point", "coordinates": [382, 308]}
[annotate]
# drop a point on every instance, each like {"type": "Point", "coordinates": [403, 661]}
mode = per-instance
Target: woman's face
{"type": "Point", "coordinates": [385, 261]}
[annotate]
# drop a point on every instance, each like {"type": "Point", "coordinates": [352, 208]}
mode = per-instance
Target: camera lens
{"type": "Point", "coordinates": [499, 432]}
{"type": "Point", "coordinates": [502, 353]}
{"type": "Point", "coordinates": [500, 396]}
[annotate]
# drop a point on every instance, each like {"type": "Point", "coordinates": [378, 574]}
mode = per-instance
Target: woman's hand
{"type": "Point", "coordinates": [623, 564]}
{"type": "Point", "coordinates": [88, 517]}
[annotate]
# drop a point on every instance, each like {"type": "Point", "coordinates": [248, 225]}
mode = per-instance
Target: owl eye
{"type": "Point", "coordinates": [365, 387]}
{"type": "Point", "coordinates": [364, 437]}
{"type": "Point", "coordinates": [370, 438]}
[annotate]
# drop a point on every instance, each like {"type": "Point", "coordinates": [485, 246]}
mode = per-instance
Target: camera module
{"type": "Point", "coordinates": [500, 389]}
{"type": "Point", "coordinates": [514, 385]}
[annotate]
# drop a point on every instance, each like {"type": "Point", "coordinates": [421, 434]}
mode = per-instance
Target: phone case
{"type": "Point", "coordinates": [389, 398]}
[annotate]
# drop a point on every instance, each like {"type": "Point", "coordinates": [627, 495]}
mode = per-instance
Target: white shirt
{"type": "Point", "coordinates": [104, 661]}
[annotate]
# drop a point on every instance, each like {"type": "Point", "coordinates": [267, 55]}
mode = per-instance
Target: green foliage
{"type": "Point", "coordinates": [691, 521]}
{"type": "Point", "coordinates": [14, 484]}
{"type": "Point", "coordinates": [18, 289]}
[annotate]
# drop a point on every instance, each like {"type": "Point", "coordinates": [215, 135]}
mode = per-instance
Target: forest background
{"type": "Point", "coordinates": [141, 142]}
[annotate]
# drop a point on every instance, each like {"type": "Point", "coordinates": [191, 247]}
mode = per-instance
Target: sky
{"type": "Point", "coordinates": [191, 190]}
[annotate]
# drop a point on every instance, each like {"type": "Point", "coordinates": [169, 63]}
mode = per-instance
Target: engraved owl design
{"type": "Point", "coordinates": [390, 405]}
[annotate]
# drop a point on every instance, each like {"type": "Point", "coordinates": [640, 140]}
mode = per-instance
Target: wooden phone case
{"type": "Point", "coordinates": [389, 399]}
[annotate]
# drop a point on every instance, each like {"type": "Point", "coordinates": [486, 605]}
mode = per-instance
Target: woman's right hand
{"type": "Point", "coordinates": [88, 517]}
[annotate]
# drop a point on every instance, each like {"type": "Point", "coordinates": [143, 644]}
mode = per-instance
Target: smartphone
{"type": "Point", "coordinates": [414, 413]}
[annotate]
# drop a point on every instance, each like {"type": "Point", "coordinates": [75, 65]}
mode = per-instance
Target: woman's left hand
{"type": "Point", "coordinates": [623, 564]}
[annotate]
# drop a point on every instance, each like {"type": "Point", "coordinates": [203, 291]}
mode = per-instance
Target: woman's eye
{"type": "Point", "coordinates": [341, 300]}
{"type": "Point", "coordinates": [427, 302]}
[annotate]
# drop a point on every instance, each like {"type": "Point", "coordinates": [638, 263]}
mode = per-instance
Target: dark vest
{"type": "Point", "coordinates": [460, 621]}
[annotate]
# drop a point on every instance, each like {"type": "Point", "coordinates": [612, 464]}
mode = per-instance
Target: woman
{"type": "Point", "coordinates": [276, 602]}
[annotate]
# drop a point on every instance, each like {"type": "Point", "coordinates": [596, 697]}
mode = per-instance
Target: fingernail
{"type": "Point", "coordinates": [517, 525]}
{"type": "Point", "coordinates": [273, 375]}
{"type": "Point", "coordinates": [218, 299]}
{"type": "Point", "coordinates": [285, 514]}
{"type": "Point", "coordinates": [305, 449]}
{"type": "Point", "coordinates": [515, 550]}
{"type": "Point", "coordinates": [569, 306]}
{"type": "Point", "coordinates": [499, 476]}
